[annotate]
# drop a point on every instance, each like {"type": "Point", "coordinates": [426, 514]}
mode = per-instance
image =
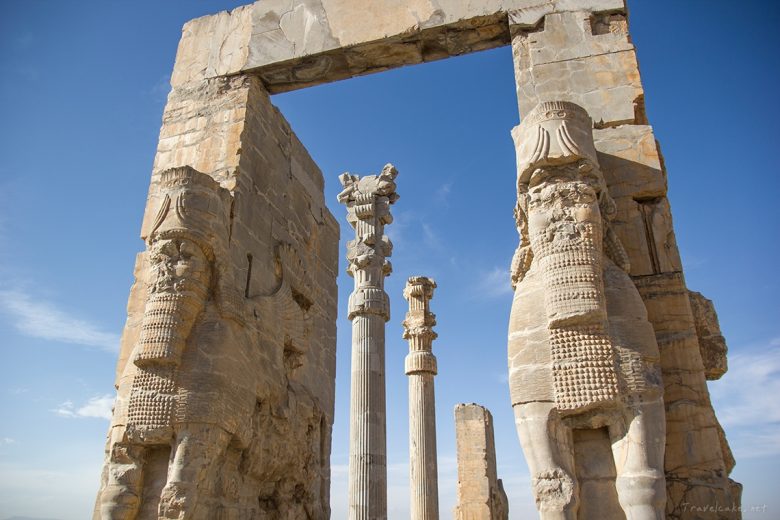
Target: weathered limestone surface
{"type": "Point", "coordinates": [293, 44]}
{"type": "Point", "coordinates": [712, 344]}
{"type": "Point", "coordinates": [420, 366]}
{"type": "Point", "coordinates": [368, 201]}
{"type": "Point", "coordinates": [225, 381]}
{"type": "Point", "coordinates": [587, 57]}
{"type": "Point", "coordinates": [584, 366]}
{"type": "Point", "coordinates": [481, 494]}
{"type": "Point", "coordinates": [581, 57]}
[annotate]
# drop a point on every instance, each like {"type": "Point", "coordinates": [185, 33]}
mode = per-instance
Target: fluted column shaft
{"type": "Point", "coordinates": [368, 432]}
{"type": "Point", "coordinates": [368, 202]}
{"type": "Point", "coordinates": [420, 366]}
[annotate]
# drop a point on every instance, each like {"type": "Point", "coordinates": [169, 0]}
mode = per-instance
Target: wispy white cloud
{"type": "Point", "coordinates": [442, 193]}
{"type": "Point", "coordinates": [494, 283]}
{"type": "Point", "coordinates": [7, 440]}
{"type": "Point", "coordinates": [41, 319]}
{"type": "Point", "coordinates": [161, 88]}
{"type": "Point", "coordinates": [431, 238]}
{"type": "Point", "coordinates": [99, 406]}
{"type": "Point", "coordinates": [746, 403]}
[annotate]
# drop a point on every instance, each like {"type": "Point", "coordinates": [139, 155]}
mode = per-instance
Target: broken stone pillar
{"type": "Point", "coordinates": [420, 366]}
{"type": "Point", "coordinates": [368, 201]}
{"type": "Point", "coordinates": [586, 57]}
{"type": "Point", "coordinates": [481, 493]}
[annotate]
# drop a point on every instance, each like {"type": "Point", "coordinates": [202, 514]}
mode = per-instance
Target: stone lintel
{"type": "Point", "coordinates": [292, 44]}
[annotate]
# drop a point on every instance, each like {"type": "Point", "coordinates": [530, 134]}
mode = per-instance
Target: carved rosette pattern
{"type": "Point", "coordinates": [420, 366]}
{"type": "Point", "coordinates": [368, 201]}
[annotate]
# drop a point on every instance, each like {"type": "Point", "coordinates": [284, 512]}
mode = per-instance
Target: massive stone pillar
{"type": "Point", "coordinates": [228, 353]}
{"type": "Point", "coordinates": [368, 201]}
{"type": "Point", "coordinates": [420, 366]}
{"type": "Point", "coordinates": [584, 55]}
{"type": "Point", "coordinates": [481, 494]}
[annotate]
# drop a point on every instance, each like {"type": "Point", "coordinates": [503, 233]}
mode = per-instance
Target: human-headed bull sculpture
{"type": "Point", "coordinates": [582, 355]}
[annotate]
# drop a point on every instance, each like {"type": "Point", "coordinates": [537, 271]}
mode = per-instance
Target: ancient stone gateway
{"type": "Point", "coordinates": [225, 379]}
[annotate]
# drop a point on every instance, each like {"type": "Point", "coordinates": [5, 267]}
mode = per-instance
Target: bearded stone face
{"type": "Point", "coordinates": [178, 288]}
{"type": "Point", "coordinates": [565, 230]}
{"type": "Point", "coordinates": [178, 266]}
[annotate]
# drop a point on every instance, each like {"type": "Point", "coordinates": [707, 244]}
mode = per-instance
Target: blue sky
{"type": "Point", "coordinates": [82, 89]}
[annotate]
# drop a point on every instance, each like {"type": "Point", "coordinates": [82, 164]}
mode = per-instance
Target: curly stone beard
{"type": "Point", "coordinates": [177, 295]}
{"type": "Point", "coordinates": [565, 231]}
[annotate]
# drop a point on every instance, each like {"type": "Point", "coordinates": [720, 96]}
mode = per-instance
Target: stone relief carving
{"type": "Point", "coordinates": [582, 354]}
{"type": "Point", "coordinates": [204, 419]}
{"type": "Point", "coordinates": [187, 235]}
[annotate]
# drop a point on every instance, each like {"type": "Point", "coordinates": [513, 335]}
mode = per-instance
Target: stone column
{"type": "Point", "coordinates": [420, 366]}
{"type": "Point", "coordinates": [368, 201]}
{"type": "Point", "coordinates": [481, 494]}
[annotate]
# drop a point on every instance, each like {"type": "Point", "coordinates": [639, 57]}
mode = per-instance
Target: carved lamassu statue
{"type": "Point", "coordinates": [219, 413]}
{"type": "Point", "coordinates": [583, 360]}
{"type": "Point", "coordinates": [151, 438]}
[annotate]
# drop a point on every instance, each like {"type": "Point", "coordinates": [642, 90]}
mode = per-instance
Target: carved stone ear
{"type": "Point", "coordinates": [522, 202]}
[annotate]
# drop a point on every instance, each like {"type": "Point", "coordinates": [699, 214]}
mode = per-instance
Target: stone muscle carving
{"type": "Point", "coordinates": [582, 355]}
{"type": "Point", "coordinates": [368, 201]}
{"type": "Point", "coordinates": [420, 366]}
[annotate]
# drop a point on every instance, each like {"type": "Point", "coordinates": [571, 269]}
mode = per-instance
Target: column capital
{"type": "Point", "coordinates": [368, 201]}
{"type": "Point", "coordinates": [419, 321]}
{"type": "Point", "coordinates": [370, 196]}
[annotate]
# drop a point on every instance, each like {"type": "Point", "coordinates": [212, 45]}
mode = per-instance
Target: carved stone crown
{"type": "Point", "coordinates": [193, 206]}
{"type": "Point", "coordinates": [553, 133]}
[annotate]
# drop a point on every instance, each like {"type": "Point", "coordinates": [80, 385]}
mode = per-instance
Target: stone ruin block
{"type": "Point", "coordinates": [481, 493]}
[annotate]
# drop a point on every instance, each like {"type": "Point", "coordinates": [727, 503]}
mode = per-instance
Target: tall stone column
{"type": "Point", "coordinates": [368, 201]}
{"type": "Point", "coordinates": [420, 366]}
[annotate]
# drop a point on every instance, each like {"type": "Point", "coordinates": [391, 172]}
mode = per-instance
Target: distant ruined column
{"type": "Point", "coordinates": [481, 494]}
{"type": "Point", "coordinates": [368, 201]}
{"type": "Point", "coordinates": [420, 366]}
